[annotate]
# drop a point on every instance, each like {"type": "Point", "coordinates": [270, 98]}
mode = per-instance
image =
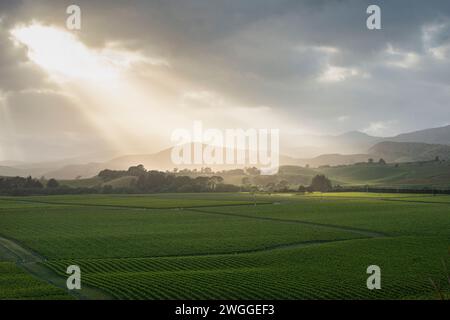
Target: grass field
{"type": "Point", "coordinates": [223, 246]}
{"type": "Point", "coordinates": [17, 284]}
{"type": "Point", "coordinates": [413, 175]}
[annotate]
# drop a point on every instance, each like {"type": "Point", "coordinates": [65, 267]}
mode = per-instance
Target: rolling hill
{"type": "Point", "coordinates": [409, 151]}
{"type": "Point", "coordinates": [416, 174]}
{"type": "Point", "coordinates": [439, 135]}
{"type": "Point", "coordinates": [356, 142]}
{"type": "Point", "coordinates": [420, 145]}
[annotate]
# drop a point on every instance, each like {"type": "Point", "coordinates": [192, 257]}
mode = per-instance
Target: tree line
{"type": "Point", "coordinates": [153, 181]}
{"type": "Point", "coordinates": [28, 185]}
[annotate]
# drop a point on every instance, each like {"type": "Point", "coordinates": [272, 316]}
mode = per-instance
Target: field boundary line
{"type": "Point", "coordinates": [135, 207]}
{"type": "Point", "coordinates": [20, 250]}
{"type": "Point", "coordinates": [416, 201]}
{"type": "Point", "coordinates": [368, 233]}
{"type": "Point", "coordinates": [296, 244]}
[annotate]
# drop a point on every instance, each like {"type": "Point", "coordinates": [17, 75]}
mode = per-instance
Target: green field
{"type": "Point", "coordinates": [412, 175]}
{"type": "Point", "coordinates": [17, 284]}
{"type": "Point", "coordinates": [226, 246]}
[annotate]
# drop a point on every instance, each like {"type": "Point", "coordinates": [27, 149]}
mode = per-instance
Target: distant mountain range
{"type": "Point", "coordinates": [355, 142]}
{"type": "Point", "coordinates": [348, 148]}
{"type": "Point", "coordinates": [432, 136]}
{"type": "Point", "coordinates": [409, 151]}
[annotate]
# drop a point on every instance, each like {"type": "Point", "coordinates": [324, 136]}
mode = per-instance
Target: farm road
{"type": "Point", "coordinates": [32, 263]}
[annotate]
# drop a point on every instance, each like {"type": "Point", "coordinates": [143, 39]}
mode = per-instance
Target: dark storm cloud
{"type": "Point", "coordinates": [265, 52]}
{"type": "Point", "coordinates": [249, 36]}
{"type": "Point", "coordinates": [16, 71]}
{"type": "Point", "coordinates": [314, 60]}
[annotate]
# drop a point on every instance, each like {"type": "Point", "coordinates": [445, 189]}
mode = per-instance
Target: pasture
{"type": "Point", "coordinates": [228, 246]}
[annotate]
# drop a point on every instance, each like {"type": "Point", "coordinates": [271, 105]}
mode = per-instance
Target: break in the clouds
{"type": "Point", "coordinates": [306, 67]}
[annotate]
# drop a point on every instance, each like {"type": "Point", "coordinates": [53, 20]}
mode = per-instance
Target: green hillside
{"type": "Point", "coordinates": [425, 174]}
{"type": "Point", "coordinates": [121, 182]}
{"type": "Point", "coordinates": [82, 183]}
{"type": "Point", "coordinates": [417, 174]}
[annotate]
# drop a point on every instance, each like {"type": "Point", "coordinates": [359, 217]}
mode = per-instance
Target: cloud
{"type": "Point", "coordinates": [45, 125]}
{"type": "Point", "coordinates": [311, 61]}
{"type": "Point", "coordinates": [436, 39]}
{"type": "Point", "coordinates": [16, 71]}
{"type": "Point", "coordinates": [343, 118]}
{"type": "Point", "coordinates": [202, 99]}
{"type": "Point", "coordinates": [382, 128]}
{"type": "Point", "coordinates": [338, 74]}
{"type": "Point", "coordinates": [60, 54]}
{"type": "Point", "coordinates": [401, 59]}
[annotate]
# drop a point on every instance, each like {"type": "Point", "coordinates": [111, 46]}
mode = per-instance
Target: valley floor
{"type": "Point", "coordinates": [225, 246]}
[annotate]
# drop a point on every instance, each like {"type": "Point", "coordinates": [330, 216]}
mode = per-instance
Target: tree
{"type": "Point", "coordinates": [214, 181]}
{"type": "Point", "coordinates": [301, 189]}
{"type": "Point", "coordinates": [107, 174]}
{"type": "Point", "coordinates": [270, 187]}
{"type": "Point", "coordinates": [223, 187]}
{"type": "Point", "coordinates": [107, 189]}
{"type": "Point", "coordinates": [253, 171]}
{"type": "Point", "coordinates": [282, 186]}
{"type": "Point", "coordinates": [52, 183]}
{"type": "Point", "coordinates": [321, 183]}
{"type": "Point", "coordinates": [370, 160]}
{"type": "Point", "coordinates": [206, 170]}
{"type": "Point", "coordinates": [382, 161]}
{"type": "Point", "coordinates": [136, 170]}
{"type": "Point", "coordinates": [246, 181]}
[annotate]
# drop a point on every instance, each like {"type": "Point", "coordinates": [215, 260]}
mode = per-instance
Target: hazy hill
{"type": "Point", "coordinates": [10, 171]}
{"type": "Point", "coordinates": [160, 161]}
{"type": "Point", "coordinates": [416, 174]}
{"type": "Point", "coordinates": [163, 161]}
{"type": "Point", "coordinates": [353, 147]}
{"type": "Point", "coordinates": [345, 149]}
{"type": "Point", "coordinates": [412, 175]}
{"type": "Point", "coordinates": [9, 163]}
{"type": "Point", "coordinates": [333, 160]}
{"type": "Point", "coordinates": [439, 135]}
{"type": "Point", "coordinates": [355, 142]}
{"type": "Point", "coordinates": [157, 161]}
{"type": "Point", "coordinates": [76, 171]}
{"type": "Point", "coordinates": [356, 139]}
{"type": "Point", "coordinates": [409, 151]}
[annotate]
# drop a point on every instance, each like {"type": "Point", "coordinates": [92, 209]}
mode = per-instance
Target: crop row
{"type": "Point", "coordinates": [16, 284]}
{"type": "Point", "coordinates": [329, 271]}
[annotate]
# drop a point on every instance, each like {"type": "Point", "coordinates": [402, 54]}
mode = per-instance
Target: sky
{"type": "Point", "coordinates": [138, 70]}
